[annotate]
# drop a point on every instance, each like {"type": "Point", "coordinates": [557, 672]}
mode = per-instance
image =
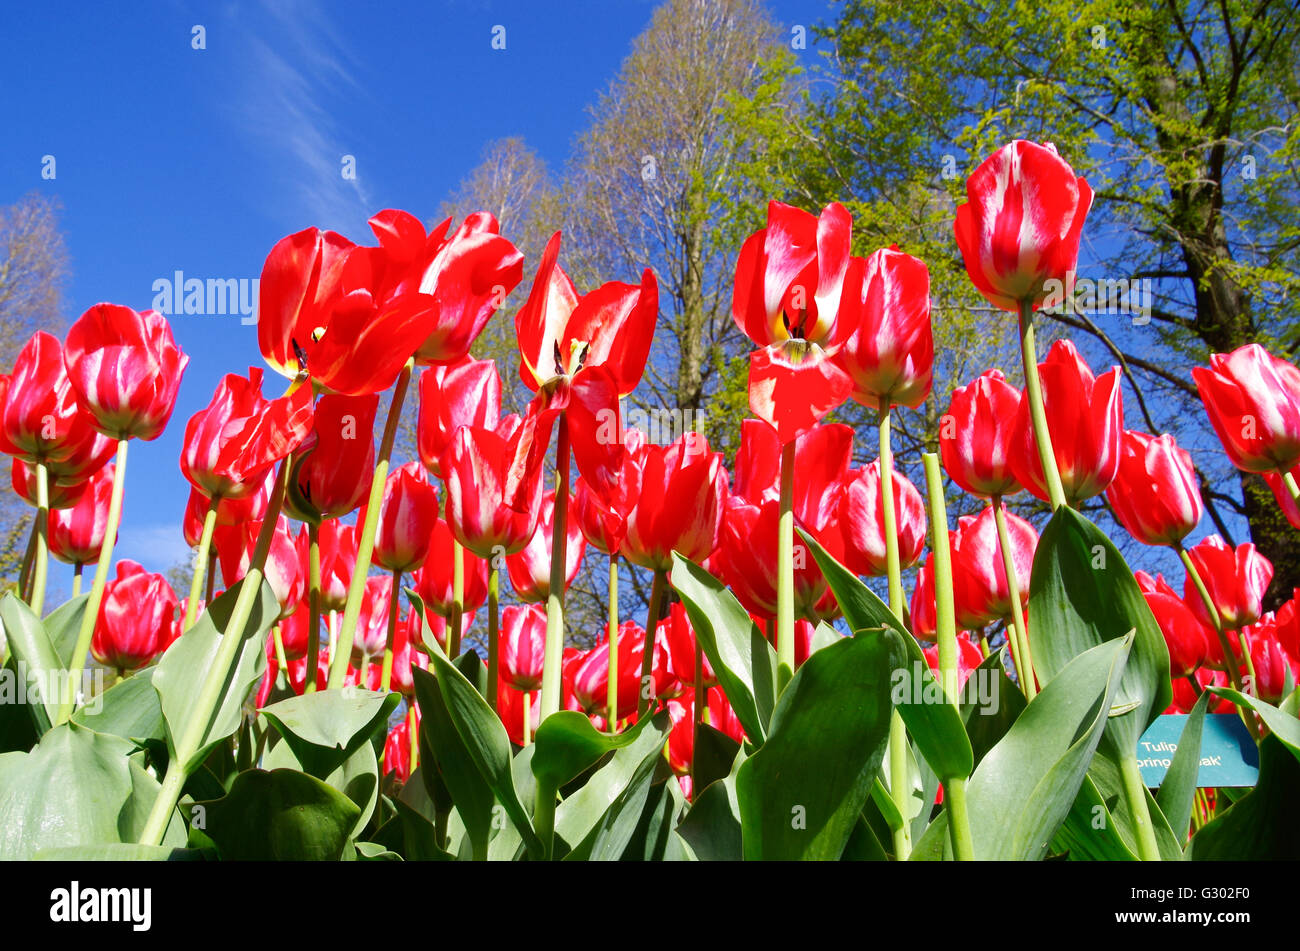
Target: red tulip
{"type": "Point", "coordinates": [286, 560]}
{"type": "Point", "coordinates": [976, 436]}
{"type": "Point", "coordinates": [862, 517]}
{"type": "Point", "coordinates": [1085, 418]}
{"type": "Point", "coordinates": [407, 516]}
{"type": "Point", "coordinates": [681, 740]}
{"type": "Point", "coordinates": [1269, 660]}
{"type": "Point", "coordinates": [530, 567]}
{"type": "Point", "coordinates": [888, 346]}
{"type": "Point", "coordinates": [467, 393]}
{"type": "Point", "coordinates": [683, 488]}
{"type": "Point", "coordinates": [980, 590]}
{"type": "Point", "coordinates": [523, 645]}
{"type": "Point", "coordinates": [588, 671]}
{"type": "Point", "coordinates": [76, 534]}
{"type": "Point", "coordinates": [1020, 227]}
{"type": "Point", "coordinates": [1187, 638]}
{"type": "Point", "coordinates": [1155, 494]}
{"type": "Point", "coordinates": [1236, 581]}
{"type": "Point", "coordinates": [434, 581]}
{"type": "Point", "coordinates": [138, 618]}
{"type": "Point", "coordinates": [510, 708]}
{"type": "Point", "coordinates": [602, 512]}
{"type": "Point", "coordinates": [300, 287]}
{"type": "Point", "coordinates": [334, 468]}
{"type": "Point", "coordinates": [232, 444]}
{"type": "Point", "coordinates": [969, 657]}
{"type": "Point", "coordinates": [397, 751]}
{"type": "Point", "coordinates": [295, 631]}
{"type": "Point", "coordinates": [1185, 696]}
{"type": "Point", "coordinates": [338, 560]}
{"type": "Point", "coordinates": [60, 496]}
{"type": "Point", "coordinates": [1287, 623]}
{"type": "Point", "coordinates": [126, 369]}
{"type": "Point", "coordinates": [1283, 495]}
{"type": "Point", "coordinates": [792, 387]}
{"type": "Point", "coordinates": [1253, 401]}
{"type": "Point", "coordinates": [680, 637]}
{"type": "Point", "coordinates": [372, 625]}
{"type": "Point", "coordinates": [922, 611]}
{"type": "Point", "coordinates": [41, 421]}
{"type": "Point", "coordinates": [477, 466]}
{"type": "Point", "coordinates": [229, 511]}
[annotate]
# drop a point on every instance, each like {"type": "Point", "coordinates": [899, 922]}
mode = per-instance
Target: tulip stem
{"type": "Point", "coordinates": [1135, 794]}
{"type": "Point", "coordinates": [1216, 622]}
{"type": "Point", "coordinates": [76, 579]}
{"type": "Point", "coordinates": [963, 848]}
{"type": "Point", "coordinates": [1019, 635]}
{"type": "Point", "coordinates": [25, 573]}
{"type": "Point", "coordinates": [900, 786]}
{"type": "Point", "coordinates": [1289, 481]}
{"type": "Point", "coordinates": [366, 543]}
{"type": "Point", "coordinates": [785, 571]}
{"type": "Point", "coordinates": [457, 596]}
{"type": "Point", "coordinates": [394, 608]}
{"type": "Point", "coordinates": [41, 567]}
{"type": "Point", "coordinates": [413, 736]}
{"type": "Point", "coordinates": [554, 652]}
{"type": "Point", "coordinates": [1037, 414]}
{"type": "Point", "coordinates": [494, 635]}
{"type": "Point", "coordinates": [200, 563]}
{"type": "Point", "coordinates": [280, 656]}
{"type": "Point", "coordinates": [87, 630]}
{"type": "Point", "coordinates": [212, 577]}
{"type": "Point", "coordinates": [611, 691]}
{"type": "Point", "coordinates": [945, 611]}
{"type": "Point", "coordinates": [647, 692]}
{"type": "Point", "coordinates": [697, 714]}
{"type": "Point", "coordinates": [313, 606]}
{"type": "Point", "coordinates": [230, 644]}
{"type": "Point", "coordinates": [528, 717]}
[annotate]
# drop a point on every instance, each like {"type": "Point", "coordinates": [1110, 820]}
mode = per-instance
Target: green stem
{"type": "Point", "coordinates": [494, 632]}
{"type": "Point", "coordinates": [528, 717]}
{"type": "Point", "coordinates": [313, 606]}
{"type": "Point", "coordinates": [200, 563]}
{"type": "Point", "coordinates": [963, 849]}
{"type": "Point", "coordinates": [25, 573]}
{"type": "Point", "coordinates": [698, 714]}
{"type": "Point", "coordinates": [1215, 621]}
{"type": "Point", "coordinates": [214, 683]}
{"type": "Point", "coordinates": [412, 735]}
{"type": "Point", "coordinates": [544, 819]}
{"type": "Point", "coordinates": [366, 543]}
{"type": "Point", "coordinates": [42, 564]}
{"type": "Point", "coordinates": [394, 608]}
{"type": "Point", "coordinates": [1289, 481]}
{"type": "Point", "coordinates": [1019, 639]}
{"type": "Point", "coordinates": [1135, 796]}
{"type": "Point", "coordinates": [280, 657]}
{"type": "Point", "coordinates": [457, 597]}
{"type": "Point", "coordinates": [611, 692]}
{"type": "Point", "coordinates": [785, 571]}
{"type": "Point", "coordinates": [1250, 663]}
{"type": "Point", "coordinates": [76, 579]}
{"type": "Point", "coordinates": [646, 692]}
{"type": "Point", "coordinates": [900, 785]}
{"type": "Point", "coordinates": [554, 656]}
{"type": "Point", "coordinates": [87, 630]}
{"type": "Point", "coordinates": [1037, 414]}
{"type": "Point", "coordinates": [945, 612]}
{"type": "Point", "coordinates": [212, 577]}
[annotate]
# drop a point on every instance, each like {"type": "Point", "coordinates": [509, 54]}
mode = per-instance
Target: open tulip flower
{"type": "Point", "coordinates": [467, 393]}
{"type": "Point", "coordinates": [1086, 422]}
{"type": "Point", "coordinates": [1021, 224]}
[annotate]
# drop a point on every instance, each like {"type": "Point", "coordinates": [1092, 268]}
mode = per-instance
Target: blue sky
{"type": "Point", "coordinates": [167, 157]}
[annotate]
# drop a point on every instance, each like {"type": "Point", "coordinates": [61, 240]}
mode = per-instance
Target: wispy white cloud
{"type": "Point", "coordinates": [298, 67]}
{"type": "Point", "coordinates": [157, 546]}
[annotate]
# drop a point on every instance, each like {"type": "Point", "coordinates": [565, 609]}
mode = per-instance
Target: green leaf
{"type": "Point", "coordinates": [863, 846]}
{"type": "Point", "coordinates": [566, 744]}
{"type": "Point", "coordinates": [738, 652]}
{"type": "Point", "coordinates": [43, 670]}
{"type": "Point", "coordinates": [1090, 832]}
{"type": "Point", "coordinates": [1025, 786]}
{"type": "Point", "coordinates": [184, 668]}
{"type": "Point", "coordinates": [325, 728]}
{"type": "Point", "coordinates": [71, 790]}
{"type": "Point", "coordinates": [357, 777]}
{"type": "Point", "coordinates": [1083, 594]}
{"type": "Point", "coordinates": [119, 852]}
{"type": "Point", "coordinates": [712, 826]}
{"type": "Point", "coordinates": [281, 815]}
{"type": "Point", "coordinates": [374, 852]}
{"type": "Point", "coordinates": [1284, 726]}
{"type": "Point", "coordinates": [801, 793]}
{"type": "Point", "coordinates": [1263, 825]}
{"type": "Point", "coordinates": [130, 708]}
{"type": "Point", "coordinates": [985, 727]}
{"type": "Point", "coordinates": [63, 624]}
{"type": "Point", "coordinates": [485, 742]}
{"type": "Point", "coordinates": [615, 828]}
{"type": "Point", "coordinates": [715, 751]}
{"type": "Point", "coordinates": [1179, 786]}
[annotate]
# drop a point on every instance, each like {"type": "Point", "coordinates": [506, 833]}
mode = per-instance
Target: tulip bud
{"type": "Point", "coordinates": [76, 534]}
{"type": "Point", "coordinates": [1253, 401]}
{"type": "Point", "coordinates": [1236, 581]}
{"type": "Point", "coordinates": [138, 618]}
{"type": "Point", "coordinates": [976, 436]}
{"type": "Point", "coordinates": [862, 520]}
{"type": "Point", "coordinates": [1155, 493]}
{"type": "Point", "coordinates": [406, 519]}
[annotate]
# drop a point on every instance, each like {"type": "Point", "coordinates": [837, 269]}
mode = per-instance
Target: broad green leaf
{"type": "Point", "coordinates": [1179, 786]}
{"type": "Point", "coordinates": [63, 624]}
{"type": "Point", "coordinates": [71, 790]}
{"type": "Point", "coordinates": [485, 742]}
{"type": "Point", "coordinates": [184, 668]}
{"type": "Point", "coordinates": [1263, 825]}
{"type": "Point", "coordinates": [374, 852]}
{"type": "Point", "coordinates": [566, 744]}
{"type": "Point", "coordinates": [988, 722]}
{"type": "Point", "coordinates": [1083, 594]}
{"type": "Point", "coordinates": [119, 852]}
{"type": "Point", "coordinates": [577, 815]}
{"type": "Point", "coordinates": [739, 654]}
{"type": "Point", "coordinates": [934, 845]}
{"type": "Point", "coordinates": [712, 827]}
{"type": "Point", "coordinates": [1282, 725]}
{"type": "Point", "coordinates": [616, 827]}
{"type": "Point", "coordinates": [325, 728]}
{"type": "Point", "coordinates": [17, 724]}
{"type": "Point", "coordinates": [130, 708]}
{"type": "Point", "coordinates": [1024, 787]}
{"type": "Point", "coordinates": [357, 777]}
{"type": "Point", "coordinates": [1090, 832]}
{"type": "Point", "coordinates": [714, 752]}
{"type": "Point", "coordinates": [933, 722]}
{"type": "Point", "coordinates": [33, 654]}
{"type": "Point", "coordinates": [800, 794]}
{"type": "Point", "coordinates": [281, 815]}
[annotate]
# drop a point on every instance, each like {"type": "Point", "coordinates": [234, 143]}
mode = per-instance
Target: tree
{"type": "Point", "coordinates": [1182, 117]}
{"type": "Point", "coordinates": [33, 268]}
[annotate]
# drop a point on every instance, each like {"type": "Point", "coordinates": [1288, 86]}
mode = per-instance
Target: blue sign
{"type": "Point", "coordinates": [1229, 756]}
